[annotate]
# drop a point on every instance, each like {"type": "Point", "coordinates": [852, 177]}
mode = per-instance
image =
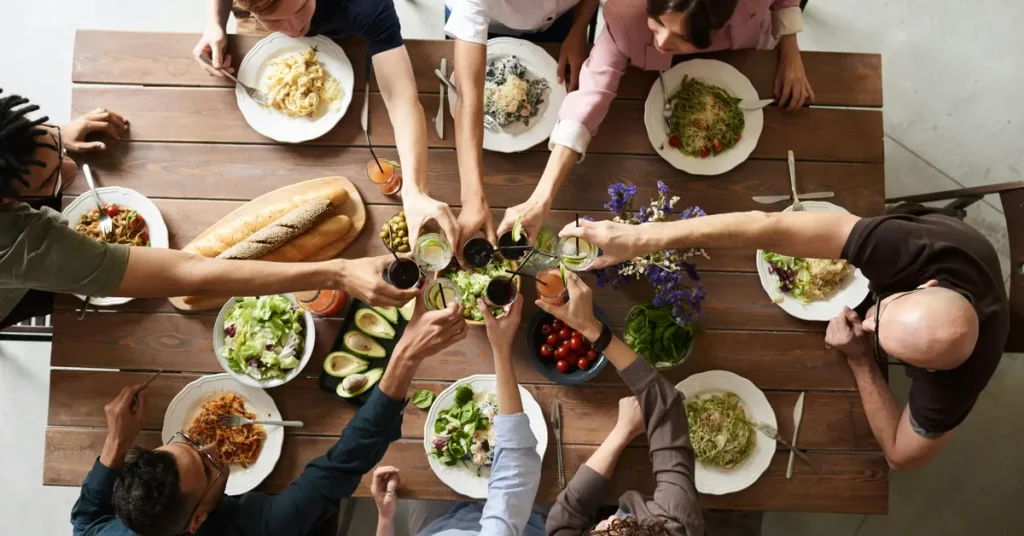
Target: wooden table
{"type": "Point", "coordinates": [192, 153]}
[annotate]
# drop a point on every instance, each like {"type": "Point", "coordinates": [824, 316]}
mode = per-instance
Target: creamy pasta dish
{"type": "Point", "coordinates": [299, 84]}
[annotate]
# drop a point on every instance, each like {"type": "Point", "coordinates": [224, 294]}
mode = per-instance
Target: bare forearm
{"type": "Point", "coordinates": [582, 14]}
{"type": "Point", "coordinates": [555, 172]}
{"type": "Point", "coordinates": [398, 88]}
{"type": "Point", "coordinates": [509, 401]}
{"type": "Point", "coordinates": [880, 406]}
{"type": "Point", "coordinates": [788, 45]}
{"type": "Point", "coordinates": [154, 272]}
{"type": "Point", "coordinates": [399, 374]}
{"type": "Point", "coordinates": [469, 116]}
{"type": "Point", "coordinates": [385, 527]}
{"type": "Point", "coordinates": [606, 457]}
{"type": "Point", "coordinates": [218, 12]}
{"type": "Point", "coordinates": [113, 452]}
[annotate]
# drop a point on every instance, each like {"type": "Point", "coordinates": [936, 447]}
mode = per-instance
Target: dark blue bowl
{"type": "Point", "coordinates": [546, 365]}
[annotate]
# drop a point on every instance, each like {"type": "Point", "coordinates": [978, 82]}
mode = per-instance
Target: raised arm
{"type": "Point", "coordinates": [800, 234]}
{"type": "Point", "coordinates": [470, 64]}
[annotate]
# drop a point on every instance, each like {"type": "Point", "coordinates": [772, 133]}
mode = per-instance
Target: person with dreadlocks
{"type": "Point", "coordinates": [40, 255]}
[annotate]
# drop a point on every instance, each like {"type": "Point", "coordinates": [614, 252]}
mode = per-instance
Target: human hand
{"type": "Point", "coordinates": [846, 335]}
{"type": "Point", "coordinates": [214, 44]}
{"type": "Point", "coordinates": [74, 133]}
{"type": "Point", "coordinates": [124, 415]}
{"type": "Point", "coordinates": [384, 489]}
{"type": "Point", "coordinates": [631, 419]}
{"type": "Point", "coordinates": [578, 312]}
{"type": "Point", "coordinates": [792, 89]}
{"type": "Point", "coordinates": [572, 55]}
{"type": "Point", "coordinates": [619, 242]}
{"type": "Point", "coordinates": [474, 216]}
{"type": "Point", "coordinates": [532, 212]}
{"type": "Point", "coordinates": [430, 332]}
{"type": "Point", "coordinates": [502, 331]}
{"type": "Point", "coordinates": [362, 279]}
{"type": "Point", "coordinates": [421, 208]}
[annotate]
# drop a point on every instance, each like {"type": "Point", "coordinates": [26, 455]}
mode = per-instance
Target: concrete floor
{"type": "Point", "coordinates": [953, 117]}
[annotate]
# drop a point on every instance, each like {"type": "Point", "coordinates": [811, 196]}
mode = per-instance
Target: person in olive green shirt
{"type": "Point", "coordinates": [41, 255]}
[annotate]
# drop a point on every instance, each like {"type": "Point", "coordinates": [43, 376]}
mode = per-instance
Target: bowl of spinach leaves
{"type": "Point", "coordinates": [653, 333]}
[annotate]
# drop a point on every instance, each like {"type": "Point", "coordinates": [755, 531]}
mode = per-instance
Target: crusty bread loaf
{"type": "Point", "coordinates": [330, 230]}
{"type": "Point", "coordinates": [223, 235]}
{"type": "Point", "coordinates": [281, 231]}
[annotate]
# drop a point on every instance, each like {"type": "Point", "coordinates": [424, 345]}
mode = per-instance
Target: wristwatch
{"type": "Point", "coordinates": [604, 340]}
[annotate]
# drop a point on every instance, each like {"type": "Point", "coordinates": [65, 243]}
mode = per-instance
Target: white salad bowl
{"type": "Point", "coordinates": [309, 339]}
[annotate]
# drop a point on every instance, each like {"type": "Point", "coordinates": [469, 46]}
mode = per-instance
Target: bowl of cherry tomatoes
{"type": "Point", "coordinates": [561, 353]}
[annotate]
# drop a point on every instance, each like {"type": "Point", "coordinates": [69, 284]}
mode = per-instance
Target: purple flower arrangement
{"type": "Point", "coordinates": [675, 278]}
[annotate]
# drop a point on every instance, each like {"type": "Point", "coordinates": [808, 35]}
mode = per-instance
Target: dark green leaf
{"type": "Point", "coordinates": [423, 398]}
{"type": "Point", "coordinates": [463, 394]}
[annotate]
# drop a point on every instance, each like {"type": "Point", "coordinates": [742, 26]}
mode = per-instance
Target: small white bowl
{"type": "Point", "coordinates": [309, 339]}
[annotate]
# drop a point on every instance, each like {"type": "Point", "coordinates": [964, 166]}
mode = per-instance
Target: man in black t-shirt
{"type": "Point", "coordinates": [940, 304]}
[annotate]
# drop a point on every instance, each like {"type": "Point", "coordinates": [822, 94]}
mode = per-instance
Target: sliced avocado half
{"type": "Point", "coordinates": [357, 384]}
{"type": "Point", "coordinates": [407, 309]}
{"type": "Point", "coordinates": [390, 313]}
{"type": "Point", "coordinates": [362, 345]}
{"type": "Point", "coordinates": [341, 364]}
{"type": "Point", "coordinates": [374, 324]}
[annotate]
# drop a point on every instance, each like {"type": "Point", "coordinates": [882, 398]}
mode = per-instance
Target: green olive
{"type": "Point", "coordinates": [403, 226]}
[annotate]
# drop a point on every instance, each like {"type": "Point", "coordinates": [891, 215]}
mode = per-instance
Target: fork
{"type": "Point", "coordinates": [253, 93]}
{"type": "Point", "coordinates": [238, 420]}
{"type": "Point", "coordinates": [489, 122]}
{"type": "Point", "coordinates": [797, 205]}
{"type": "Point", "coordinates": [666, 110]}
{"type": "Point", "coordinates": [773, 433]}
{"type": "Point", "coordinates": [106, 224]}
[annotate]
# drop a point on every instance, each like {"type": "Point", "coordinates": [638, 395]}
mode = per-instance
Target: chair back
{"type": "Point", "coordinates": [1013, 208]}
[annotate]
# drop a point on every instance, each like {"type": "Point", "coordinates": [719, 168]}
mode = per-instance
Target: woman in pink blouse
{"type": "Point", "coordinates": [648, 34]}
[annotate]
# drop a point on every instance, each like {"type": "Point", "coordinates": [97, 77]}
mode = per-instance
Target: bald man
{"type": "Point", "coordinates": [939, 304]}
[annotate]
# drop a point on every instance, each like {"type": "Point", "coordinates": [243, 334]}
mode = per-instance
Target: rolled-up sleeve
{"type": "Point", "coordinates": [515, 477]}
{"type": "Point", "coordinates": [787, 19]}
{"type": "Point", "coordinates": [583, 110]}
{"type": "Point", "coordinates": [468, 21]}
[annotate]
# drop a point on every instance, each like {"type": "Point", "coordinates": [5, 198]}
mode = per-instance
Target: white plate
{"type": "Point", "coordinates": [716, 480]}
{"type": "Point", "coordinates": [850, 294]}
{"type": "Point", "coordinates": [308, 335]}
{"type": "Point", "coordinates": [459, 477]}
{"type": "Point", "coordinates": [185, 406]}
{"type": "Point", "coordinates": [255, 69]}
{"type": "Point", "coordinates": [126, 198]}
{"type": "Point", "coordinates": [713, 72]}
{"type": "Point", "coordinates": [518, 137]}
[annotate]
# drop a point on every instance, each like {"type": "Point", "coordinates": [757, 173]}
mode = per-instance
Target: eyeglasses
{"type": "Point", "coordinates": [879, 352]}
{"type": "Point", "coordinates": [54, 176]}
{"type": "Point", "coordinates": [184, 439]}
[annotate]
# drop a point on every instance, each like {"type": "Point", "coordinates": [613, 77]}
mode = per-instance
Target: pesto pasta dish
{"type": "Point", "coordinates": [720, 433]}
{"type": "Point", "coordinates": [510, 95]}
{"type": "Point", "coordinates": [705, 119]}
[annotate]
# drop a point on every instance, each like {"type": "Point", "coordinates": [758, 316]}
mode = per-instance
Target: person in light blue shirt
{"type": "Point", "coordinates": [515, 472]}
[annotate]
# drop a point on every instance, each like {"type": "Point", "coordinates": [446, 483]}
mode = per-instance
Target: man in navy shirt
{"type": "Point", "coordinates": [377, 22]}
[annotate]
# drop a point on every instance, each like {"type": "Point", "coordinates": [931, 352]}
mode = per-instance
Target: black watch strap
{"type": "Point", "coordinates": [604, 340]}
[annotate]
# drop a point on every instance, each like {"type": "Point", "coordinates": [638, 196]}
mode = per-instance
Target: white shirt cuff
{"type": "Point", "coordinates": [471, 27]}
{"type": "Point", "coordinates": [572, 134]}
{"type": "Point", "coordinates": [787, 21]}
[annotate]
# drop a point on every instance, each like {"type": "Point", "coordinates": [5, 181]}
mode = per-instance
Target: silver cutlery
{"type": "Point", "coordinates": [489, 122]}
{"type": "Point", "coordinates": [755, 104]}
{"type": "Point", "coordinates": [238, 420]}
{"type": "Point", "coordinates": [666, 109]}
{"type": "Point", "coordinates": [798, 415]}
{"type": "Point", "coordinates": [106, 223]}
{"type": "Point", "coordinates": [253, 93]}
{"type": "Point", "coordinates": [439, 120]}
{"type": "Point", "coordinates": [772, 199]}
{"type": "Point", "coordinates": [797, 205]}
{"type": "Point", "coordinates": [556, 426]}
{"type": "Point", "coordinates": [773, 433]}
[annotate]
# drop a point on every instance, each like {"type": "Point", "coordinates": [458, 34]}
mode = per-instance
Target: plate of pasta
{"type": "Point", "coordinates": [250, 451]}
{"type": "Point", "coordinates": [308, 82]}
{"type": "Point", "coordinates": [706, 132]}
{"type": "Point", "coordinates": [521, 94]}
{"type": "Point", "coordinates": [136, 219]}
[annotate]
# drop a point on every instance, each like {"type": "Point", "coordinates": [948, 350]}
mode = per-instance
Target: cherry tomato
{"type": "Point", "coordinates": [577, 344]}
{"type": "Point", "coordinates": [586, 344]}
{"type": "Point", "coordinates": [674, 141]}
{"type": "Point", "coordinates": [556, 325]}
{"type": "Point", "coordinates": [716, 144]}
{"type": "Point", "coordinates": [139, 220]}
{"type": "Point", "coordinates": [112, 210]}
{"type": "Point", "coordinates": [561, 353]}
{"type": "Point", "coordinates": [583, 363]}
{"type": "Point", "coordinates": [704, 152]}
{"type": "Point", "coordinates": [545, 329]}
{"type": "Point", "coordinates": [562, 366]}
{"type": "Point", "coordinates": [591, 354]}
{"type": "Point", "coordinates": [553, 339]}
{"type": "Point", "coordinates": [739, 137]}
{"type": "Point", "coordinates": [565, 334]}
{"type": "Point", "coordinates": [577, 333]}
{"type": "Point", "coordinates": [547, 351]}
{"type": "Point", "coordinates": [144, 237]}
{"type": "Point", "coordinates": [700, 125]}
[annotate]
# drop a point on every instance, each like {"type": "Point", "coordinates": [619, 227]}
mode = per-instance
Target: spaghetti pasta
{"type": "Point", "coordinates": [298, 84]}
{"type": "Point", "coordinates": [235, 444]}
{"type": "Point", "coordinates": [705, 119]}
{"type": "Point", "coordinates": [129, 226]}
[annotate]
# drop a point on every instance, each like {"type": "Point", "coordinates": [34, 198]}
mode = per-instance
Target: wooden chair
{"type": "Point", "coordinates": [1012, 196]}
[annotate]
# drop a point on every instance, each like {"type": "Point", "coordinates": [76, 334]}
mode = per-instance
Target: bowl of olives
{"type": "Point", "coordinates": [395, 234]}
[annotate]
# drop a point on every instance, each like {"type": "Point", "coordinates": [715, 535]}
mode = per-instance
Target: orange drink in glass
{"type": "Point", "coordinates": [551, 288]}
{"type": "Point", "coordinates": [384, 174]}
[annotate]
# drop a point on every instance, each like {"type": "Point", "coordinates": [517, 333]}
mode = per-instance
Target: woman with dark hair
{"type": "Point", "coordinates": [648, 34]}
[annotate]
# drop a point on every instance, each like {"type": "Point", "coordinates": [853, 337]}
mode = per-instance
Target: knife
{"type": "Point", "coordinates": [439, 120]}
{"type": "Point", "coordinates": [556, 425]}
{"type": "Point", "coordinates": [798, 415]}
{"type": "Point", "coordinates": [755, 104]}
{"type": "Point", "coordinates": [772, 199]}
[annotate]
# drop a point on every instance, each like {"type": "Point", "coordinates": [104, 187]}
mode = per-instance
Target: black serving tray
{"type": "Point", "coordinates": [328, 383]}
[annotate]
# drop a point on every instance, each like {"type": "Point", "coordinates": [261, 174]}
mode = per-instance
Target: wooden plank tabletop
{"type": "Point", "coordinates": [191, 151]}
